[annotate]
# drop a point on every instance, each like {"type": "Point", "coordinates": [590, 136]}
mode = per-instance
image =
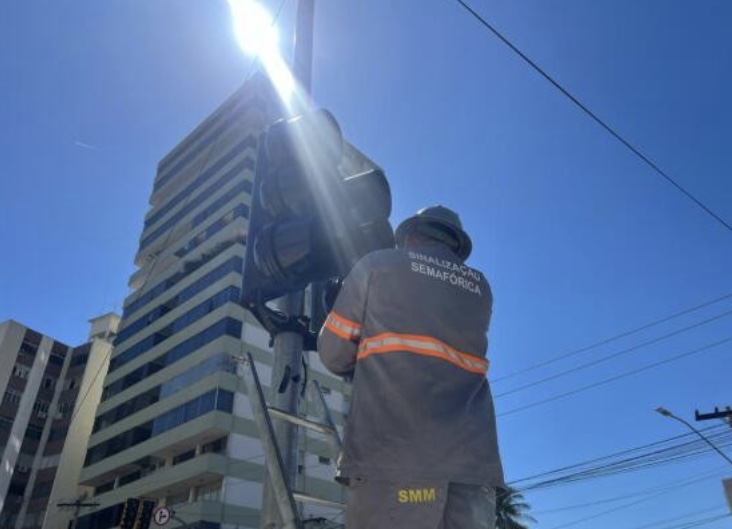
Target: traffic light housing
{"type": "Point", "coordinates": [129, 513]}
{"type": "Point", "coordinates": [318, 206]}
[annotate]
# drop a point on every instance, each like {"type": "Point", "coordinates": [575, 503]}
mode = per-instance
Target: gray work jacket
{"type": "Point", "coordinates": [410, 326]}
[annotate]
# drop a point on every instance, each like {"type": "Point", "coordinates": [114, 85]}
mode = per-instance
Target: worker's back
{"type": "Point", "coordinates": [421, 404]}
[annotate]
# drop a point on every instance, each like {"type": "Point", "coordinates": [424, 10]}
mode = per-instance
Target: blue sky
{"type": "Point", "coordinates": [580, 239]}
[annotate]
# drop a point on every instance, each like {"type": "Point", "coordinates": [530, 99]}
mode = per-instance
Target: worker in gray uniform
{"type": "Point", "coordinates": [410, 327]}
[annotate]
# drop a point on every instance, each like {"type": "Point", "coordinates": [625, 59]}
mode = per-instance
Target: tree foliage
{"type": "Point", "coordinates": [512, 511]}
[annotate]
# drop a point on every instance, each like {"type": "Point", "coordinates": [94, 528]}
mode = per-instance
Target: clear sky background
{"type": "Point", "coordinates": [580, 239]}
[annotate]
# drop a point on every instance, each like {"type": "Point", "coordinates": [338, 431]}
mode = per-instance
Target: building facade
{"type": "Point", "coordinates": [174, 424]}
{"type": "Point", "coordinates": [50, 392]}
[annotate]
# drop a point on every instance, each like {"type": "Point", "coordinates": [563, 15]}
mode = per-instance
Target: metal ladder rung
{"type": "Point", "coordinates": [284, 496]}
{"type": "Point", "coordinates": [301, 421]}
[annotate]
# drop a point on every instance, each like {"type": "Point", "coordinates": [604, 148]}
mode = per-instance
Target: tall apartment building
{"type": "Point", "coordinates": [174, 424]}
{"type": "Point", "coordinates": [50, 392]}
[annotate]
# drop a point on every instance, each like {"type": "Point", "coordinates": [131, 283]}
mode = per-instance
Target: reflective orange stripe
{"type": "Point", "coordinates": [422, 345]}
{"type": "Point", "coordinates": [342, 327]}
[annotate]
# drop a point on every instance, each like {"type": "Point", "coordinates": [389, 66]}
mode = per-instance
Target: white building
{"type": "Point", "coordinates": [50, 392]}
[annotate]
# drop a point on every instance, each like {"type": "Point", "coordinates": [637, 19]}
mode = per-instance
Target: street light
{"type": "Point", "coordinates": [666, 413]}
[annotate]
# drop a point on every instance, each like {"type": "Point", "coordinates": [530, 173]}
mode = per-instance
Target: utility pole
{"type": "Point", "coordinates": [76, 505]}
{"type": "Point", "coordinates": [288, 345]}
{"type": "Point", "coordinates": [725, 414]}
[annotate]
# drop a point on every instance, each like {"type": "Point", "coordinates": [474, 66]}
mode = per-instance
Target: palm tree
{"type": "Point", "coordinates": [511, 510]}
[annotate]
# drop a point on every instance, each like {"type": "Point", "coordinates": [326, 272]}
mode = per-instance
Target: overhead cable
{"type": "Point", "coordinates": [611, 339]}
{"type": "Point", "coordinates": [615, 354]}
{"type": "Point", "coordinates": [594, 116]}
{"type": "Point", "coordinates": [618, 377]}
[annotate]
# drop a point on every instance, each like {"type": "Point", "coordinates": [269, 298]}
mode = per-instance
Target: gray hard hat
{"type": "Point", "coordinates": [442, 218]}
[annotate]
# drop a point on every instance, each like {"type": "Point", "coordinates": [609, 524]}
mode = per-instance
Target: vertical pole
{"type": "Point", "coordinates": [303, 56]}
{"type": "Point", "coordinates": [286, 371]}
{"type": "Point", "coordinates": [285, 387]}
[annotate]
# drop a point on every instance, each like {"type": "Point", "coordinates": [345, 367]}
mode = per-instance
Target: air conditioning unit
{"type": "Point", "coordinates": [42, 414]}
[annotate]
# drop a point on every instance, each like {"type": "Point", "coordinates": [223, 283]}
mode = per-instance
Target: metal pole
{"type": "Point", "coordinates": [303, 55]}
{"type": "Point", "coordinates": [285, 385]}
{"type": "Point", "coordinates": [286, 371]}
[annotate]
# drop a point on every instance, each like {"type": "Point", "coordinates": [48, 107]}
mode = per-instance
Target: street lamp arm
{"type": "Point", "coordinates": [667, 413]}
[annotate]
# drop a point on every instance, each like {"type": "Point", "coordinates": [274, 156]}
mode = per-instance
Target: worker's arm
{"type": "Point", "coordinates": [339, 338]}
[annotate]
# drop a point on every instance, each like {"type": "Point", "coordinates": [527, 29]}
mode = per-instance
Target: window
{"type": "Point", "coordinates": [128, 478]}
{"type": "Point", "coordinates": [41, 408]}
{"type": "Point", "coordinates": [59, 349]}
{"type": "Point", "coordinates": [209, 492]}
{"type": "Point", "coordinates": [33, 432]}
{"type": "Point", "coordinates": [42, 490]}
{"type": "Point", "coordinates": [185, 456]}
{"type": "Point", "coordinates": [229, 176]}
{"type": "Point", "coordinates": [49, 382]}
{"type": "Point", "coordinates": [12, 397]}
{"type": "Point", "coordinates": [234, 264]}
{"type": "Point", "coordinates": [215, 447]}
{"type": "Point", "coordinates": [242, 210]}
{"type": "Point", "coordinates": [230, 294]}
{"type": "Point", "coordinates": [216, 399]}
{"type": "Point", "coordinates": [79, 359]}
{"type": "Point", "coordinates": [224, 327]}
{"type": "Point", "coordinates": [21, 371]}
{"type": "Point", "coordinates": [58, 433]}
{"type": "Point", "coordinates": [6, 423]}
{"type": "Point", "coordinates": [104, 487]}
{"type": "Point", "coordinates": [65, 408]}
{"type": "Point", "coordinates": [214, 364]}
{"type": "Point", "coordinates": [56, 359]}
{"type": "Point", "coordinates": [31, 341]}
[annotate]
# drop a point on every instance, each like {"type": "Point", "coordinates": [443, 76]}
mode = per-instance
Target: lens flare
{"type": "Point", "coordinates": [257, 35]}
{"type": "Point", "coordinates": [253, 27]}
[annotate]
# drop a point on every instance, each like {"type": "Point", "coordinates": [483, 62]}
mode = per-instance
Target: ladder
{"type": "Point", "coordinates": [263, 414]}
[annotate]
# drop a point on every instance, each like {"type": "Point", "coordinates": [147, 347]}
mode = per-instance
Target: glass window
{"type": "Point", "coordinates": [12, 397]}
{"type": "Point", "coordinates": [224, 327]}
{"type": "Point", "coordinates": [162, 287]}
{"type": "Point", "coordinates": [233, 173]}
{"type": "Point", "coordinates": [242, 210]}
{"type": "Point", "coordinates": [21, 371]}
{"type": "Point", "coordinates": [230, 294]}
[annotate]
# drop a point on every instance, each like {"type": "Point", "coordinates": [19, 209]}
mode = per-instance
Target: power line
{"type": "Point", "coordinates": [648, 493]}
{"type": "Point", "coordinates": [594, 116]}
{"type": "Point", "coordinates": [614, 355]}
{"type": "Point", "coordinates": [617, 377]}
{"type": "Point", "coordinates": [695, 523]}
{"type": "Point", "coordinates": [644, 457]}
{"type": "Point", "coordinates": [712, 430]}
{"type": "Point", "coordinates": [676, 518]}
{"type": "Point", "coordinates": [612, 338]}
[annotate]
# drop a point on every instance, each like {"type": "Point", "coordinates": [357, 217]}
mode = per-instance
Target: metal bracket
{"type": "Point", "coordinates": [277, 322]}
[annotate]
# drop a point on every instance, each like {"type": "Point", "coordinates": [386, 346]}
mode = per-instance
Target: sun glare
{"type": "Point", "coordinates": [257, 35]}
{"type": "Point", "coordinates": [253, 27]}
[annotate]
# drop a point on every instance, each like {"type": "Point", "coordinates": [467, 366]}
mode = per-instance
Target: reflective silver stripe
{"type": "Point", "coordinates": [343, 327]}
{"type": "Point", "coordinates": [410, 343]}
